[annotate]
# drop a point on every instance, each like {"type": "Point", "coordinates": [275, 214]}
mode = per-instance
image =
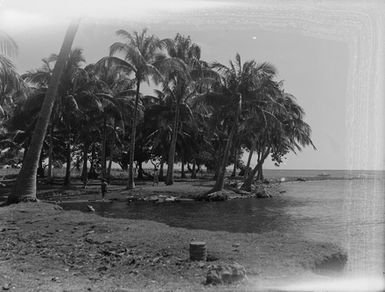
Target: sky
{"type": "Point", "coordinates": [315, 70]}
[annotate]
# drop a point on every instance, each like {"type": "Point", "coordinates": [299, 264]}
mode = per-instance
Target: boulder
{"type": "Point", "coordinates": [225, 274]}
{"type": "Point", "coordinates": [262, 195]}
{"type": "Point", "coordinates": [331, 264]}
{"type": "Point", "coordinates": [260, 192]}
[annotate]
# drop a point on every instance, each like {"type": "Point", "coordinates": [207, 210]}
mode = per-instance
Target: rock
{"type": "Point", "coordinates": [212, 257]}
{"type": "Point", "coordinates": [217, 196]}
{"type": "Point", "coordinates": [184, 200]}
{"type": "Point", "coordinates": [57, 207]}
{"type": "Point", "coordinates": [170, 199]}
{"type": "Point", "coordinates": [6, 286]}
{"type": "Point", "coordinates": [331, 264]}
{"type": "Point", "coordinates": [90, 208]}
{"type": "Point", "coordinates": [153, 198]}
{"type": "Point", "coordinates": [262, 195]}
{"type": "Point", "coordinates": [301, 179]}
{"type": "Point", "coordinates": [225, 274]}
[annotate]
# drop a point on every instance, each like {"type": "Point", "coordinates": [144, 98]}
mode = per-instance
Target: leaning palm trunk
{"type": "Point", "coordinates": [131, 183]}
{"type": "Point", "coordinates": [171, 154]}
{"type": "Point", "coordinates": [50, 152]}
{"type": "Point", "coordinates": [219, 184]}
{"type": "Point", "coordinates": [25, 186]}
{"type": "Point", "coordinates": [260, 173]}
{"type": "Point", "coordinates": [250, 178]}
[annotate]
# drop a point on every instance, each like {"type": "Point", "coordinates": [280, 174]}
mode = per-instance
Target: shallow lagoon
{"type": "Point", "coordinates": [347, 212]}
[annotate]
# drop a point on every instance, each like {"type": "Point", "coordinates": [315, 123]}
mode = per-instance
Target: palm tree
{"type": "Point", "coordinates": [285, 132]}
{"type": "Point", "coordinates": [239, 92]}
{"type": "Point", "coordinates": [10, 83]}
{"type": "Point", "coordinates": [116, 94]}
{"type": "Point", "coordinates": [140, 55]}
{"type": "Point", "coordinates": [179, 85]}
{"type": "Point", "coordinates": [25, 187]}
{"type": "Point", "coordinates": [40, 78]}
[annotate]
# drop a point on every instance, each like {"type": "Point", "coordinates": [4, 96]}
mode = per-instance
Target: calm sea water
{"type": "Point", "coordinates": [349, 213]}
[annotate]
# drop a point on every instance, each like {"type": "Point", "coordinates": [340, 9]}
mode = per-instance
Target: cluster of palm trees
{"type": "Point", "coordinates": [200, 113]}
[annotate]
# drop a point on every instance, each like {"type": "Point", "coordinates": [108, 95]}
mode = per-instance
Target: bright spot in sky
{"type": "Point", "coordinates": [254, 37]}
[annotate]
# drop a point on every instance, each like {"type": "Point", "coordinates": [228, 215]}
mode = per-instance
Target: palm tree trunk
{"type": "Point", "coordinates": [104, 144]}
{"type": "Point", "coordinates": [249, 180]}
{"type": "Point", "coordinates": [85, 160]}
{"type": "Point", "coordinates": [161, 171]}
{"type": "Point", "coordinates": [235, 163]}
{"type": "Point", "coordinates": [219, 184]}
{"type": "Point", "coordinates": [171, 154]}
{"type": "Point", "coordinates": [40, 169]}
{"type": "Point", "coordinates": [67, 179]}
{"type": "Point", "coordinates": [50, 153]}
{"type": "Point", "coordinates": [112, 145]}
{"type": "Point", "coordinates": [260, 172]}
{"type": "Point", "coordinates": [92, 172]}
{"type": "Point", "coordinates": [131, 183]}
{"type": "Point", "coordinates": [249, 160]}
{"type": "Point", "coordinates": [25, 186]}
{"type": "Point", "coordinates": [193, 171]}
{"type": "Point", "coordinates": [183, 173]}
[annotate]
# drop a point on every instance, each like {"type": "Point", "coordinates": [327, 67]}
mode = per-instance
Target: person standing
{"type": "Point", "coordinates": [156, 177]}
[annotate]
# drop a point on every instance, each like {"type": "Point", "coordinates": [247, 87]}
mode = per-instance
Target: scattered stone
{"type": "Point", "coordinates": [184, 200]}
{"type": "Point", "coordinates": [212, 257]}
{"type": "Point", "coordinates": [57, 207]}
{"type": "Point", "coordinates": [170, 199]}
{"type": "Point", "coordinates": [217, 196]}
{"type": "Point", "coordinates": [225, 274]}
{"type": "Point", "coordinates": [153, 198]}
{"type": "Point", "coordinates": [262, 195]}
{"type": "Point", "coordinates": [90, 208]}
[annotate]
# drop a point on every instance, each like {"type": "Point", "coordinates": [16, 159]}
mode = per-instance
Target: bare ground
{"type": "Point", "coordinates": [43, 248]}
